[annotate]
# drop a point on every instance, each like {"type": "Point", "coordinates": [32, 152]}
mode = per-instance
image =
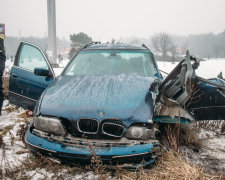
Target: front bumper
{"type": "Point", "coordinates": [130, 156]}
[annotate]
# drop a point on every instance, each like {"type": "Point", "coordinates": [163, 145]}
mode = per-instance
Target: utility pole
{"type": "Point", "coordinates": [51, 50]}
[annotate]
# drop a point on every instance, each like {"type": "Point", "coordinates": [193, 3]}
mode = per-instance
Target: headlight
{"type": "Point", "coordinates": [137, 132]}
{"type": "Point", "coordinates": [49, 124]}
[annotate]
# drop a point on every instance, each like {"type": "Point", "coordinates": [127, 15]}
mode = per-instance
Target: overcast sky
{"type": "Point", "coordinates": [107, 19]}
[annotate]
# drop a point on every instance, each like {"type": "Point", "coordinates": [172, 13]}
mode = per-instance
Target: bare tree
{"type": "Point", "coordinates": [162, 43]}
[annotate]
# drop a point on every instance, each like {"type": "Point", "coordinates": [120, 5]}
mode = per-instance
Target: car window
{"type": "Point", "coordinates": [103, 62]}
{"type": "Point", "coordinates": [31, 57]}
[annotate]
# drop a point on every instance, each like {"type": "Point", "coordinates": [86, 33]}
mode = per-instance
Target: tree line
{"type": "Point", "coordinates": [168, 46]}
{"type": "Point", "coordinates": [164, 45]}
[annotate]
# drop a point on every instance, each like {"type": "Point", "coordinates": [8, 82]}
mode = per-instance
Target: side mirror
{"type": "Point", "coordinates": [41, 72]}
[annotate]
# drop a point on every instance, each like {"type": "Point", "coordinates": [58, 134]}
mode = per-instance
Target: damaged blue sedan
{"type": "Point", "coordinates": [104, 103]}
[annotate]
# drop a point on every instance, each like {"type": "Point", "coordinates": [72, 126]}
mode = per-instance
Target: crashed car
{"type": "Point", "coordinates": [106, 101]}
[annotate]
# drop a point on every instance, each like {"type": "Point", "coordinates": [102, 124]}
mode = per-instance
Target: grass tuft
{"type": "Point", "coordinates": [174, 135]}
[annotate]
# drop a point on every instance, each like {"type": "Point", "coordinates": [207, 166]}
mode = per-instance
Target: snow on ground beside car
{"type": "Point", "coordinates": [10, 144]}
{"type": "Point", "coordinates": [8, 66]}
{"type": "Point", "coordinates": [207, 69]}
{"type": "Point", "coordinates": [211, 68]}
{"type": "Point", "coordinates": [213, 151]}
{"type": "Point", "coordinates": [62, 64]}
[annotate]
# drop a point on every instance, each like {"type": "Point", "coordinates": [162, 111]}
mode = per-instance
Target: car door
{"type": "Point", "coordinates": [208, 101]}
{"type": "Point", "coordinates": [185, 96]}
{"type": "Point", "coordinates": [25, 87]}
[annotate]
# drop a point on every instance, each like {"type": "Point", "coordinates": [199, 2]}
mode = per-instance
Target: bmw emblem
{"type": "Point", "coordinates": [101, 114]}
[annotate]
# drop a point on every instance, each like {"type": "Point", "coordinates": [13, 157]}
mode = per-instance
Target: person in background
{"type": "Point", "coordinates": [2, 67]}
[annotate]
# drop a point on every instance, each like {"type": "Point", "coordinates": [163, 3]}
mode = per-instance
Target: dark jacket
{"type": "Point", "coordinates": [2, 56]}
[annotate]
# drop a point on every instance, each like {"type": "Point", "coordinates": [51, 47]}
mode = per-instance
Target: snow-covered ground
{"type": "Point", "coordinates": [207, 69]}
{"type": "Point", "coordinates": [14, 154]}
{"type": "Point", "coordinates": [212, 154]}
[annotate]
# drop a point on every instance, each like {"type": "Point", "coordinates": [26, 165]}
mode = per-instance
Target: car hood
{"type": "Point", "coordinates": [124, 97]}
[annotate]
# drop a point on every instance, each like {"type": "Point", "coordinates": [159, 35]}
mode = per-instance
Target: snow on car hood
{"type": "Point", "coordinates": [126, 97]}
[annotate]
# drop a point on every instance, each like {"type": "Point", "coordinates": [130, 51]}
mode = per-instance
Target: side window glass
{"type": "Point", "coordinates": [31, 57]}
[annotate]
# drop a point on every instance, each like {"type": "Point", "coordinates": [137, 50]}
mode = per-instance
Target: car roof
{"type": "Point", "coordinates": [110, 46]}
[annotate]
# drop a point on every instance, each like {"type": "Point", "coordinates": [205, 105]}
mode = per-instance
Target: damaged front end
{"type": "Point", "coordinates": [117, 129]}
{"type": "Point", "coordinates": [185, 97]}
{"type": "Point", "coordinates": [131, 149]}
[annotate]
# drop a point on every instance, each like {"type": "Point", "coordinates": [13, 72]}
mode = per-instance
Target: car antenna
{"type": "Point", "coordinates": [143, 45]}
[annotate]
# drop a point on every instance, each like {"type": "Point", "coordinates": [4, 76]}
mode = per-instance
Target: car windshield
{"type": "Point", "coordinates": [112, 62]}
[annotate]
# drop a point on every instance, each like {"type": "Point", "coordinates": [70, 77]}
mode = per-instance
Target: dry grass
{"type": "Point", "coordinates": [189, 137]}
{"type": "Point", "coordinates": [6, 129]}
{"type": "Point", "coordinates": [46, 168]}
{"type": "Point", "coordinates": [3, 132]}
{"type": "Point", "coordinates": [222, 130]}
{"type": "Point", "coordinates": [5, 86]}
{"type": "Point", "coordinates": [174, 135]}
{"type": "Point", "coordinates": [9, 109]}
{"type": "Point", "coordinates": [23, 115]}
{"type": "Point", "coordinates": [23, 129]}
{"type": "Point", "coordinates": [173, 166]}
{"type": "Point", "coordinates": [170, 166]}
{"type": "Point", "coordinates": [217, 126]}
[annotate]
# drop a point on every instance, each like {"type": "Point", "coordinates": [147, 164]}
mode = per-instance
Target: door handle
{"type": "Point", "coordinates": [14, 76]}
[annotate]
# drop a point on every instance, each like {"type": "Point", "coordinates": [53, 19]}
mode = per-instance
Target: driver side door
{"type": "Point", "coordinates": [25, 87]}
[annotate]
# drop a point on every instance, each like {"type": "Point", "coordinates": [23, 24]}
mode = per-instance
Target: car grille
{"type": "Point", "coordinates": [113, 128]}
{"type": "Point", "coordinates": [109, 127]}
{"type": "Point", "coordinates": [89, 126]}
